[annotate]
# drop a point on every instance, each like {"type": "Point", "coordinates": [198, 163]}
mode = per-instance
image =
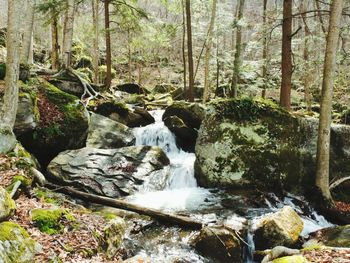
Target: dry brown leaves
{"type": "Point", "coordinates": [343, 207]}
{"type": "Point", "coordinates": [49, 112]}
{"type": "Point", "coordinates": [72, 245]}
{"type": "Point", "coordinates": [8, 170]}
{"type": "Point", "coordinates": [328, 255]}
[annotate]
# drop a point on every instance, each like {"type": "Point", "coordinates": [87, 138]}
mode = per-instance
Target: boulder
{"type": "Point", "coordinates": [278, 229]}
{"type": "Point", "coordinates": [73, 87]}
{"type": "Point", "coordinates": [7, 140]}
{"type": "Point", "coordinates": [7, 205]}
{"type": "Point", "coordinates": [192, 114]}
{"type": "Point", "coordinates": [62, 123]}
{"type": "Point", "coordinates": [131, 88]}
{"type": "Point", "coordinates": [105, 133]}
{"type": "Point", "coordinates": [16, 244]}
{"type": "Point", "coordinates": [291, 259]}
{"type": "Point", "coordinates": [109, 172]}
{"type": "Point", "coordinates": [163, 88]}
{"type": "Point", "coordinates": [255, 142]}
{"type": "Point", "coordinates": [338, 236]}
{"type": "Point", "coordinates": [219, 243]}
{"type": "Point", "coordinates": [185, 136]}
{"type": "Point", "coordinates": [113, 235]}
{"type": "Point", "coordinates": [119, 112]}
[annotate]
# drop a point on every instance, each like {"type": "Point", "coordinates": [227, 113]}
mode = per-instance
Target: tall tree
{"type": "Point", "coordinates": [184, 44]}
{"type": "Point", "coordinates": [190, 52]}
{"type": "Point", "coordinates": [323, 143]}
{"type": "Point", "coordinates": [10, 101]}
{"type": "Point", "coordinates": [208, 50]}
{"type": "Point", "coordinates": [28, 23]}
{"type": "Point", "coordinates": [265, 49]}
{"type": "Point", "coordinates": [108, 80]}
{"type": "Point", "coordinates": [286, 84]}
{"type": "Point", "coordinates": [95, 58]}
{"type": "Point", "coordinates": [68, 33]}
{"type": "Point", "coordinates": [238, 54]}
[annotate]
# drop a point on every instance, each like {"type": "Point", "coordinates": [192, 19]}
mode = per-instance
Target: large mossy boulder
{"type": "Point", "coordinates": [278, 229]}
{"type": "Point", "coordinates": [184, 120]}
{"type": "Point", "coordinates": [109, 172]}
{"type": "Point", "coordinates": [7, 205]}
{"type": "Point", "coordinates": [131, 88]}
{"type": "Point", "coordinates": [257, 143]}
{"type": "Point", "coordinates": [219, 243]}
{"type": "Point", "coordinates": [68, 82]}
{"type": "Point", "coordinates": [16, 246]}
{"type": "Point", "coordinates": [338, 236]}
{"type": "Point", "coordinates": [62, 122]}
{"type": "Point", "coordinates": [105, 133]}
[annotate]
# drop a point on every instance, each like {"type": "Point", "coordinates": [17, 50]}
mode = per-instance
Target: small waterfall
{"type": "Point", "coordinates": [181, 163]}
{"type": "Point", "coordinates": [181, 191]}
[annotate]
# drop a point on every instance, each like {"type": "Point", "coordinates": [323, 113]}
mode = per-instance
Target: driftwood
{"type": "Point", "coordinates": [161, 216]}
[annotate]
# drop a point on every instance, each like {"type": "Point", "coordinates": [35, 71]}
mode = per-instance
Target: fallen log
{"type": "Point", "coordinates": [160, 216]}
{"type": "Point", "coordinates": [338, 182]}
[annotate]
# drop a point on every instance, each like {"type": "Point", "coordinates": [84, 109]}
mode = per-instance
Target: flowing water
{"type": "Point", "coordinates": [212, 206]}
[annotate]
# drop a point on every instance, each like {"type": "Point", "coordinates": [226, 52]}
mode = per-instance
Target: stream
{"type": "Point", "coordinates": [180, 194]}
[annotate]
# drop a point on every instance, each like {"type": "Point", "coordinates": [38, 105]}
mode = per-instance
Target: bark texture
{"type": "Point", "coordinates": [108, 79]}
{"type": "Point", "coordinates": [68, 33]}
{"type": "Point", "coordinates": [190, 52]}
{"type": "Point", "coordinates": [95, 16]}
{"type": "Point", "coordinates": [323, 144]}
{"type": "Point", "coordinates": [28, 24]}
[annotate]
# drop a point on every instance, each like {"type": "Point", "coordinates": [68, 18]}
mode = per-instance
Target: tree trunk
{"type": "Point", "coordinates": [96, 53]}
{"type": "Point", "coordinates": [189, 51]}
{"type": "Point", "coordinates": [68, 34]}
{"type": "Point", "coordinates": [10, 101]}
{"type": "Point", "coordinates": [307, 74]}
{"type": "Point", "coordinates": [286, 85]}
{"type": "Point", "coordinates": [322, 175]}
{"type": "Point", "coordinates": [28, 24]}
{"type": "Point", "coordinates": [265, 50]}
{"type": "Point", "coordinates": [54, 42]}
{"type": "Point", "coordinates": [238, 54]}
{"type": "Point", "coordinates": [184, 45]}
{"type": "Point", "coordinates": [108, 80]}
{"type": "Point", "coordinates": [207, 52]}
{"type": "Point", "coordinates": [319, 15]}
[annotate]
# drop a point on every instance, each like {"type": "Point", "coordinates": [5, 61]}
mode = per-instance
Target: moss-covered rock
{"type": "Point", "coordinates": [291, 259]}
{"type": "Point", "coordinates": [51, 221]}
{"type": "Point", "coordinates": [113, 235]}
{"type": "Point", "coordinates": [62, 122]}
{"type": "Point", "coordinates": [279, 229]}
{"type": "Point", "coordinates": [7, 205]}
{"type": "Point", "coordinates": [16, 246]}
{"type": "Point", "coordinates": [338, 236]}
{"type": "Point", "coordinates": [255, 142]}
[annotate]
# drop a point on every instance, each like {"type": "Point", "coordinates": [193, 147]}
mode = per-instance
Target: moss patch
{"type": "Point", "coordinates": [51, 221]}
{"type": "Point", "coordinates": [291, 259]}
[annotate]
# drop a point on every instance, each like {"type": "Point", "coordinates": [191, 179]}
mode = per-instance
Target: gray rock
{"type": "Point", "coordinates": [219, 243]}
{"type": "Point", "coordinates": [113, 235]}
{"type": "Point", "coordinates": [105, 133]}
{"type": "Point", "coordinates": [7, 140]}
{"type": "Point", "coordinates": [338, 236]}
{"type": "Point", "coordinates": [109, 172]}
{"type": "Point", "coordinates": [257, 143]}
{"type": "Point", "coordinates": [16, 244]}
{"type": "Point", "coordinates": [278, 229]}
{"type": "Point", "coordinates": [7, 205]}
{"type": "Point", "coordinates": [25, 119]}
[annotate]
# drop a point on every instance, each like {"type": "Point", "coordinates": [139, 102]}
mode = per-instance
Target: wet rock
{"type": "Point", "coordinates": [278, 229]}
{"type": "Point", "coordinates": [185, 136]}
{"type": "Point", "coordinates": [62, 123]}
{"type": "Point", "coordinates": [7, 205]}
{"type": "Point", "coordinates": [219, 243]}
{"type": "Point", "coordinates": [16, 244]}
{"type": "Point", "coordinates": [338, 236]}
{"type": "Point", "coordinates": [131, 88]}
{"type": "Point", "coordinates": [109, 172]}
{"type": "Point", "coordinates": [255, 142]}
{"type": "Point", "coordinates": [113, 235]}
{"type": "Point", "coordinates": [105, 133]}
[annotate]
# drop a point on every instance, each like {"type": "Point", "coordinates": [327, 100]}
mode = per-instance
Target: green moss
{"type": "Point", "coordinates": [19, 246]}
{"type": "Point", "coordinates": [291, 259]}
{"type": "Point", "coordinates": [7, 205]}
{"type": "Point", "coordinates": [47, 196]}
{"type": "Point", "coordinates": [50, 220]}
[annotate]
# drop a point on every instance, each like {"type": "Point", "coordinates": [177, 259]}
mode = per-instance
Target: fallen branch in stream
{"type": "Point", "coordinates": [161, 216]}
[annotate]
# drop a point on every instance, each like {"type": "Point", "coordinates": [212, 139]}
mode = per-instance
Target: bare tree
{"type": "Point", "coordinates": [108, 80]}
{"type": "Point", "coordinates": [322, 175]}
{"type": "Point", "coordinates": [190, 52]}
{"type": "Point", "coordinates": [68, 33]}
{"type": "Point", "coordinates": [95, 16]}
{"type": "Point", "coordinates": [28, 23]}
